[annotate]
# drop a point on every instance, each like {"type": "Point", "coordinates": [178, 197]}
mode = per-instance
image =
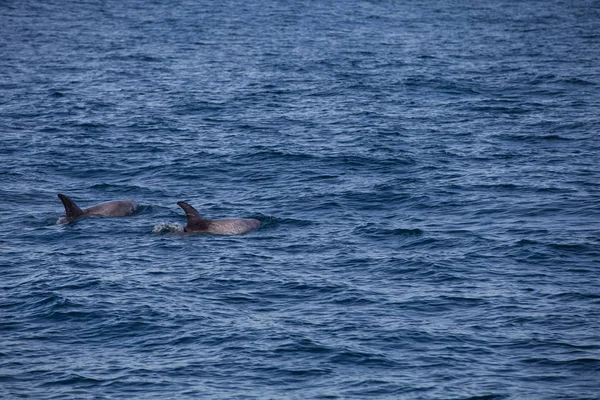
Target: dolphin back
{"type": "Point", "coordinates": [232, 226]}
{"type": "Point", "coordinates": [114, 208]}
{"type": "Point", "coordinates": [196, 223]}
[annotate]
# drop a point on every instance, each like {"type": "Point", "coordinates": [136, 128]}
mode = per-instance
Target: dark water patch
{"type": "Point", "coordinates": [576, 297]}
{"type": "Point", "coordinates": [587, 365]}
{"type": "Point", "coordinates": [373, 231]}
{"type": "Point", "coordinates": [73, 379]}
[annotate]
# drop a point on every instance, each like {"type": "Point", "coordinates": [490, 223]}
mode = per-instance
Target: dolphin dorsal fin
{"type": "Point", "coordinates": [72, 211]}
{"type": "Point", "coordinates": [195, 222]}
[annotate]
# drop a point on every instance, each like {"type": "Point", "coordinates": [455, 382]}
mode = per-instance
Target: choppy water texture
{"type": "Point", "coordinates": [427, 175]}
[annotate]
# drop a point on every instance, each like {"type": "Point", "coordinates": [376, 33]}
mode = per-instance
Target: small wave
{"type": "Point", "coordinates": [372, 230]}
{"type": "Point", "coordinates": [167, 227]}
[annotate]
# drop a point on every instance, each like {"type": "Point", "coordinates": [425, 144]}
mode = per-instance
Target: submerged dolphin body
{"type": "Point", "coordinates": [115, 208]}
{"type": "Point", "coordinates": [198, 224]}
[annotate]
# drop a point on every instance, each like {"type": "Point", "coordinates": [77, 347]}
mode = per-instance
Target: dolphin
{"type": "Point", "coordinates": [198, 224]}
{"type": "Point", "coordinates": [115, 208]}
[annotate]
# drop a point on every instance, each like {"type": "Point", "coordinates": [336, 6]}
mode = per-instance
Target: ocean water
{"type": "Point", "coordinates": [427, 176]}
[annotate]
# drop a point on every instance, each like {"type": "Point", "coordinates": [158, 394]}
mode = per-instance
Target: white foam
{"type": "Point", "coordinates": [166, 227]}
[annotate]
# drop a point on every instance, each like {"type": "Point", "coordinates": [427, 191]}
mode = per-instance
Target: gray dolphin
{"type": "Point", "coordinates": [198, 224]}
{"type": "Point", "coordinates": [115, 208]}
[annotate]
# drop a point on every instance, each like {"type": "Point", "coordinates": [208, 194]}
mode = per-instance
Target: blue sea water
{"type": "Point", "coordinates": [427, 176]}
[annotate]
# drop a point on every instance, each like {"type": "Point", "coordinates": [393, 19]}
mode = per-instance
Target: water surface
{"type": "Point", "coordinates": [426, 175]}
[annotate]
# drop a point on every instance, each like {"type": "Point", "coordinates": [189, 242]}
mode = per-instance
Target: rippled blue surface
{"type": "Point", "coordinates": [427, 175]}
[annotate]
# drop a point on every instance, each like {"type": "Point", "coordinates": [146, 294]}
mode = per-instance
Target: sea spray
{"type": "Point", "coordinates": [167, 227]}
